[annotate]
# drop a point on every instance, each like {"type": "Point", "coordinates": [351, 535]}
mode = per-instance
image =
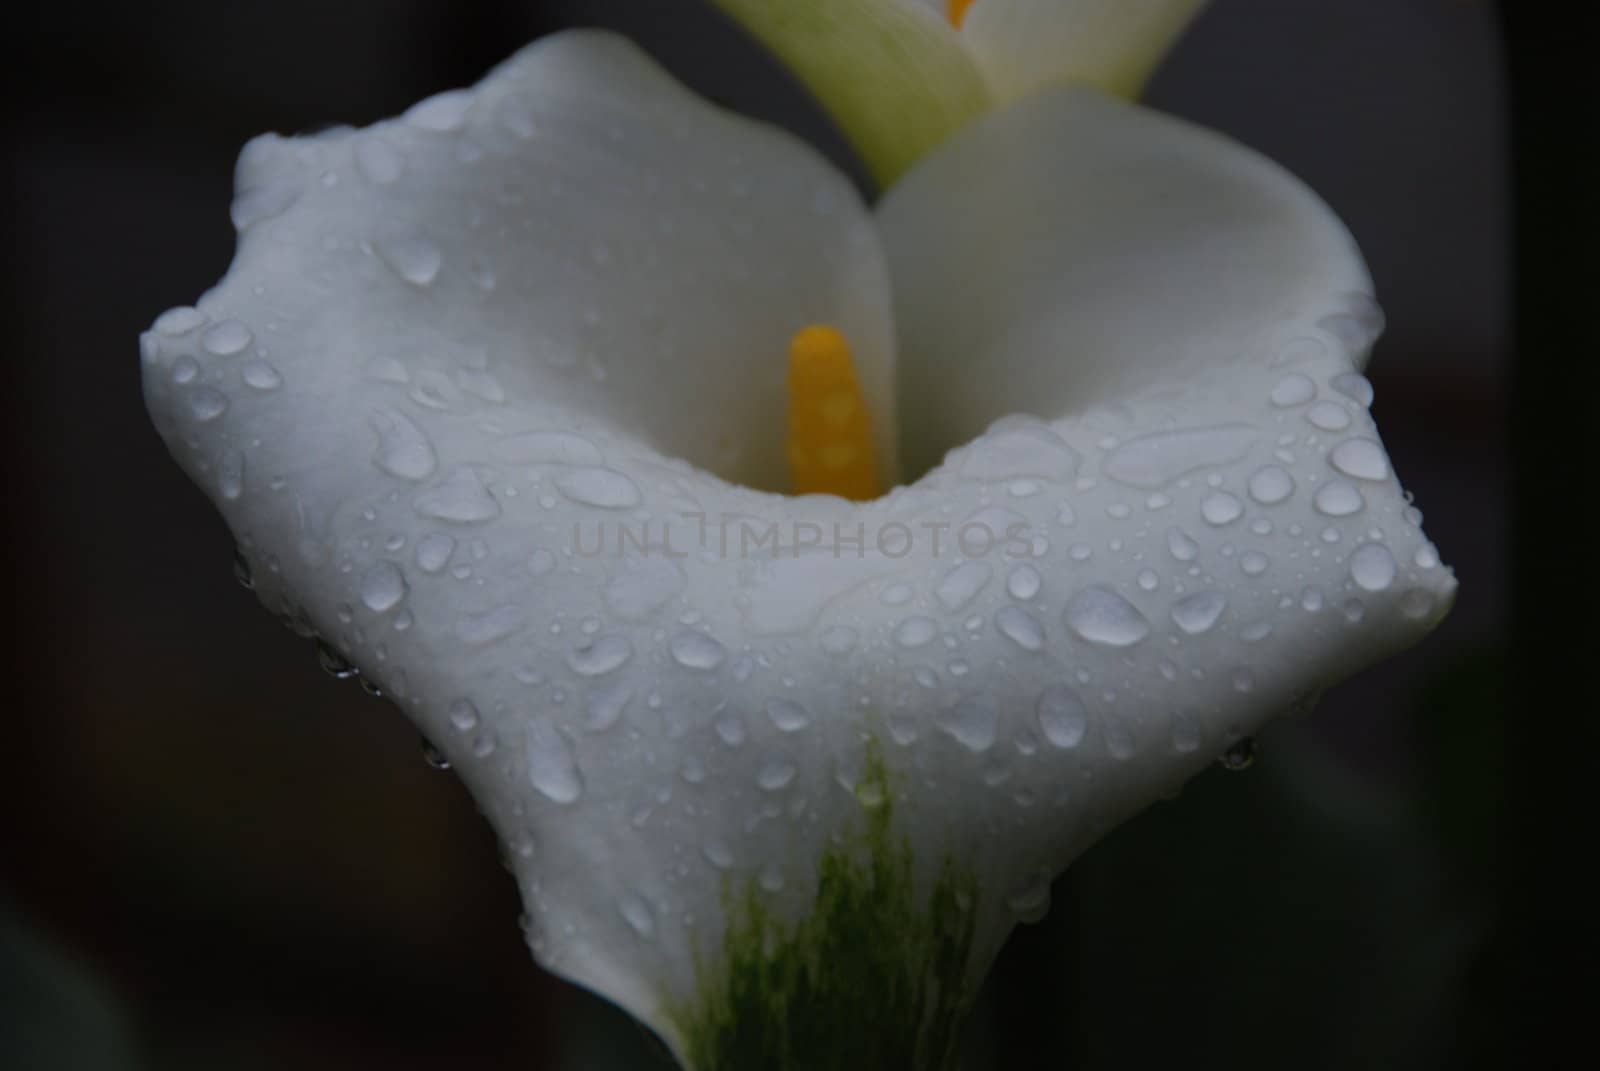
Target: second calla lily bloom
{"type": "Point", "coordinates": [493, 399]}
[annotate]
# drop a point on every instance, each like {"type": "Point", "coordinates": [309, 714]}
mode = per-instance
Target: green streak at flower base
{"type": "Point", "coordinates": [873, 979]}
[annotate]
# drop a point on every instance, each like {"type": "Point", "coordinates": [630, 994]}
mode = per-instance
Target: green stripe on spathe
{"type": "Point", "coordinates": [873, 979]}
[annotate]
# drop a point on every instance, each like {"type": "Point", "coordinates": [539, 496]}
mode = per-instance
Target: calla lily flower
{"type": "Point", "coordinates": [494, 398]}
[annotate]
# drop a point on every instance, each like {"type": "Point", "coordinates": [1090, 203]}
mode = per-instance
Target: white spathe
{"type": "Point", "coordinates": [458, 350]}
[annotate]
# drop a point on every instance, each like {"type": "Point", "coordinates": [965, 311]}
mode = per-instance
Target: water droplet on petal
{"type": "Point", "coordinates": [377, 160]}
{"type": "Point", "coordinates": [775, 775]}
{"type": "Point", "coordinates": [599, 487]}
{"type": "Point", "coordinates": [600, 656]}
{"type": "Point", "coordinates": [696, 650]}
{"type": "Point", "coordinates": [1019, 627]}
{"type": "Point", "coordinates": [226, 338]}
{"type": "Point", "coordinates": [1101, 616]}
{"type": "Point", "coordinates": [1338, 499]}
{"type": "Point", "coordinates": [1196, 613]}
{"type": "Point", "coordinates": [551, 766]}
{"type": "Point", "coordinates": [382, 587]}
{"type": "Point", "coordinates": [787, 715]}
{"type": "Point", "coordinates": [1024, 582]}
{"type": "Point", "coordinates": [442, 112]}
{"type": "Point", "coordinates": [460, 497]}
{"type": "Point", "coordinates": [1292, 390]}
{"type": "Point", "coordinates": [403, 448]}
{"type": "Point", "coordinates": [207, 404]}
{"type": "Point", "coordinates": [1062, 717]}
{"type": "Point", "coordinates": [259, 375]}
{"type": "Point", "coordinates": [1181, 546]}
{"type": "Point", "coordinates": [1221, 508]}
{"type": "Point", "coordinates": [1372, 567]}
{"type": "Point", "coordinates": [1362, 459]}
{"type": "Point", "coordinates": [1271, 485]}
{"type": "Point", "coordinates": [972, 722]}
{"type": "Point", "coordinates": [915, 631]}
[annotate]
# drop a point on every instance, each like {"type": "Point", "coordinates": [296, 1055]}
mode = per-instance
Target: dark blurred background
{"type": "Point", "coordinates": [213, 855]}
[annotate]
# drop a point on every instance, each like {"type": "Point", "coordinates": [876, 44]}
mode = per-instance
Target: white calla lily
{"type": "Point", "coordinates": [485, 397]}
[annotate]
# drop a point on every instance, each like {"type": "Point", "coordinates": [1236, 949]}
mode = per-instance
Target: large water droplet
{"type": "Point", "coordinates": [259, 375]}
{"type": "Point", "coordinates": [1221, 508]}
{"type": "Point", "coordinates": [1196, 613]}
{"type": "Point", "coordinates": [460, 497]}
{"type": "Point", "coordinates": [599, 487]}
{"type": "Point", "coordinates": [1063, 719]}
{"type": "Point", "coordinates": [1024, 582]}
{"type": "Point", "coordinates": [775, 775]}
{"type": "Point", "coordinates": [1181, 546]}
{"type": "Point", "coordinates": [600, 656]}
{"type": "Point", "coordinates": [1372, 567]}
{"type": "Point", "coordinates": [973, 723]}
{"type": "Point", "coordinates": [1101, 616]}
{"type": "Point", "coordinates": [434, 550]}
{"type": "Point", "coordinates": [207, 404]}
{"type": "Point", "coordinates": [696, 650]}
{"type": "Point", "coordinates": [403, 448]}
{"type": "Point", "coordinates": [551, 766]}
{"type": "Point", "coordinates": [226, 338]}
{"type": "Point", "coordinates": [1292, 390]}
{"type": "Point", "coordinates": [1016, 625]}
{"type": "Point", "coordinates": [1271, 485]}
{"type": "Point", "coordinates": [1338, 499]}
{"type": "Point", "coordinates": [1361, 459]}
{"type": "Point", "coordinates": [787, 715]}
{"type": "Point", "coordinates": [382, 587]}
{"type": "Point", "coordinates": [915, 631]}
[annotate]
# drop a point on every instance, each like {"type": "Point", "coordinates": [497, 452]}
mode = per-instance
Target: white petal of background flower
{"type": "Point", "coordinates": [506, 315]}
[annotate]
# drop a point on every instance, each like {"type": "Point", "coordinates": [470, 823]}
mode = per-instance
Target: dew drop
{"type": "Point", "coordinates": [1019, 627]}
{"type": "Point", "coordinates": [230, 475]}
{"type": "Point", "coordinates": [1361, 459]}
{"type": "Point", "coordinates": [603, 488]}
{"type": "Point", "coordinates": [1024, 582]}
{"type": "Point", "coordinates": [1329, 416]}
{"type": "Point", "coordinates": [1292, 390]}
{"type": "Point", "coordinates": [644, 587]}
{"type": "Point", "coordinates": [1338, 499]}
{"type": "Point", "coordinates": [433, 551]}
{"type": "Point", "coordinates": [972, 723]}
{"type": "Point", "coordinates": [775, 775]}
{"type": "Point", "coordinates": [1062, 717]}
{"type": "Point", "coordinates": [333, 663]}
{"type": "Point", "coordinates": [241, 571]}
{"type": "Point", "coordinates": [600, 656]}
{"type": "Point", "coordinates": [403, 448]}
{"type": "Point", "coordinates": [226, 338]}
{"type": "Point", "coordinates": [1181, 546]}
{"type": "Point", "coordinates": [717, 852]}
{"type": "Point", "coordinates": [1372, 567]}
{"type": "Point", "coordinates": [1196, 613]}
{"type": "Point", "coordinates": [377, 160]}
{"type": "Point", "coordinates": [259, 375]}
{"type": "Point", "coordinates": [1101, 616]}
{"type": "Point", "coordinates": [1221, 508]}
{"type": "Point", "coordinates": [460, 497]}
{"type": "Point", "coordinates": [1354, 386]}
{"type": "Point", "coordinates": [552, 770]}
{"type": "Point", "coordinates": [915, 631]}
{"type": "Point", "coordinates": [696, 650]}
{"type": "Point", "coordinates": [382, 587]}
{"type": "Point", "coordinates": [1271, 485]}
{"type": "Point", "coordinates": [442, 112]}
{"type": "Point", "coordinates": [431, 755]}
{"type": "Point", "coordinates": [480, 630]}
{"type": "Point", "coordinates": [787, 715]}
{"type": "Point", "coordinates": [1153, 461]}
{"type": "Point", "coordinates": [184, 369]}
{"type": "Point", "coordinates": [207, 404]}
{"type": "Point", "coordinates": [463, 716]}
